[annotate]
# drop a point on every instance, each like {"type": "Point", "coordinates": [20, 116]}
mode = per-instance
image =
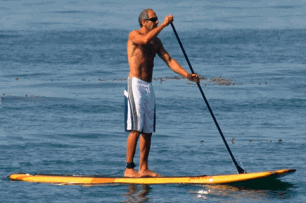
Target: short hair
{"type": "Point", "coordinates": [143, 15]}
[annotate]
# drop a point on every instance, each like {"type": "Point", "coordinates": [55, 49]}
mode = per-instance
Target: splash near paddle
{"type": "Point", "coordinates": [96, 180]}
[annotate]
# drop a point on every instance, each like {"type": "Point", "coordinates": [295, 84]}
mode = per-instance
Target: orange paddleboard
{"type": "Point", "coordinates": [90, 180]}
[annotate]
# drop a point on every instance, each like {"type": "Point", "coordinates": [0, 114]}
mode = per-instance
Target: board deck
{"type": "Point", "coordinates": [91, 180]}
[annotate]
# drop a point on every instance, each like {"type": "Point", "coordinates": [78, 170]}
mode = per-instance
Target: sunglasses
{"type": "Point", "coordinates": [152, 19]}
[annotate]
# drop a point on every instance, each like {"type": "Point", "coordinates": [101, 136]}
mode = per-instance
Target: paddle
{"type": "Point", "coordinates": [239, 169]}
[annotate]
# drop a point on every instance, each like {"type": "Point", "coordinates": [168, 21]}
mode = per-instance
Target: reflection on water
{"type": "Point", "coordinates": [250, 191]}
{"type": "Point", "coordinates": [137, 193]}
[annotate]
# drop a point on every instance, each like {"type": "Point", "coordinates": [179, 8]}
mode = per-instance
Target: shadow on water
{"type": "Point", "coordinates": [272, 189]}
{"type": "Point", "coordinates": [137, 193]}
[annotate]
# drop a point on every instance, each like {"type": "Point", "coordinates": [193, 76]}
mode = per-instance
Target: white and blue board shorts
{"type": "Point", "coordinates": [139, 106]}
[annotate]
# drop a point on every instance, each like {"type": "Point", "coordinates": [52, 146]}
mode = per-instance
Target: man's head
{"type": "Point", "coordinates": [148, 19]}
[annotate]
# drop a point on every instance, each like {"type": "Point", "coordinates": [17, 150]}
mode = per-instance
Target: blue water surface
{"type": "Point", "coordinates": [64, 69]}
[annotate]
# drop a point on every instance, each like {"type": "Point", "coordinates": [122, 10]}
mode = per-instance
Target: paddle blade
{"type": "Point", "coordinates": [240, 170]}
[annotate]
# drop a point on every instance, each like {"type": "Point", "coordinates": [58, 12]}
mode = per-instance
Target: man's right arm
{"type": "Point", "coordinates": [138, 38]}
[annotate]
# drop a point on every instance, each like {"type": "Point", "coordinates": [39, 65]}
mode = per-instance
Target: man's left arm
{"type": "Point", "coordinates": [174, 65]}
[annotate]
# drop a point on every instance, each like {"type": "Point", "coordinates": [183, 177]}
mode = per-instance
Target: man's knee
{"type": "Point", "coordinates": [146, 135]}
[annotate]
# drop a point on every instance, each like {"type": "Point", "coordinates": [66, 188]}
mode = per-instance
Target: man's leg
{"type": "Point", "coordinates": [130, 153]}
{"type": "Point", "coordinates": [145, 144]}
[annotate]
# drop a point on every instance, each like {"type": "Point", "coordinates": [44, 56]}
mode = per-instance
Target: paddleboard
{"type": "Point", "coordinates": [205, 179]}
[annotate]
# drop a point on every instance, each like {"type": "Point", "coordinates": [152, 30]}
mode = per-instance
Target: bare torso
{"type": "Point", "coordinates": [141, 59]}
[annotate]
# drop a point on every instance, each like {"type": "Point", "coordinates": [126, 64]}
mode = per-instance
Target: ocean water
{"type": "Point", "coordinates": [63, 69]}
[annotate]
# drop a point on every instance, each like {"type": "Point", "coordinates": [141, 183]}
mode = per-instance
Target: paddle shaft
{"type": "Point", "coordinates": [239, 169]}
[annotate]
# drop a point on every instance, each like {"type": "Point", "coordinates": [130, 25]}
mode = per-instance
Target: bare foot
{"type": "Point", "coordinates": [148, 173]}
{"type": "Point", "coordinates": [131, 173]}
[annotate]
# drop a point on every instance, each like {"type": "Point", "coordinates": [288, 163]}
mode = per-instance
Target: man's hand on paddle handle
{"type": "Point", "coordinates": [193, 77]}
{"type": "Point", "coordinates": [168, 20]}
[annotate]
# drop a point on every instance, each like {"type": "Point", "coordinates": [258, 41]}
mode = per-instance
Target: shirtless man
{"type": "Point", "coordinates": [142, 46]}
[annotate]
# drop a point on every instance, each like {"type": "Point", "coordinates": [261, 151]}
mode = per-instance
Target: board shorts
{"type": "Point", "coordinates": [139, 106]}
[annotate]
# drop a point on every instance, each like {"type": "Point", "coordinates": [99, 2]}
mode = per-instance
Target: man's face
{"type": "Point", "coordinates": [150, 24]}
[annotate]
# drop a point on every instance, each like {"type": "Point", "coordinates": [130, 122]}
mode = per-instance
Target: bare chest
{"type": "Point", "coordinates": [150, 49]}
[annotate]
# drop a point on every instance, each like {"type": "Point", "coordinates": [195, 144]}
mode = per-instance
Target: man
{"type": "Point", "coordinates": [142, 46]}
